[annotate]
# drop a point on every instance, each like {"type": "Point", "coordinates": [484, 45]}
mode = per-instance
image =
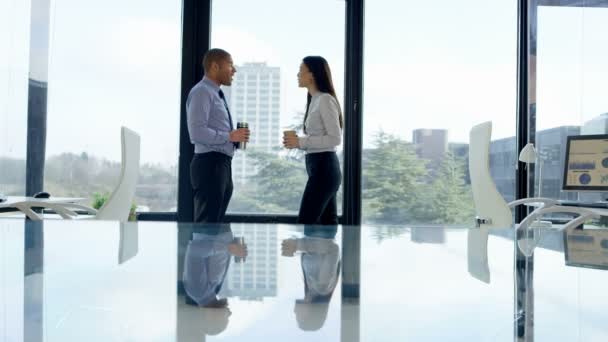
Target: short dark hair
{"type": "Point", "coordinates": [214, 55]}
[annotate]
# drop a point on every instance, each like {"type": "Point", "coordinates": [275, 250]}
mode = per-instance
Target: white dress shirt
{"type": "Point", "coordinates": [322, 125]}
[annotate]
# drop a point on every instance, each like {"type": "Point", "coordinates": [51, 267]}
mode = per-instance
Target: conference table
{"type": "Point", "coordinates": [70, 280]}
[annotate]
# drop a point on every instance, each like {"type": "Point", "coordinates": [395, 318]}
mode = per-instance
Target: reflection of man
{"type": "Point", "coordinates": [214, 321]}
{"type": "Point", "coordinates": [321, 269]}
{"type": "Point", "coordinates": [206, 264]}
{"type": "Point", "coordinates": [194, 323]}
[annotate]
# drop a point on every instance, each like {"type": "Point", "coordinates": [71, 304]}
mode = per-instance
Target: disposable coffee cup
{"type": "Point", "coordinates": [242, 145]}
{"type": "Point", "coordinates": [289, 133]}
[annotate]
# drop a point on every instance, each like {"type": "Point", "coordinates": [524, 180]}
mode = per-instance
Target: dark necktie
{"type": "Point", "coordinates": [226, 106]}
{"type": "Point", "coordinates": [236, 145]}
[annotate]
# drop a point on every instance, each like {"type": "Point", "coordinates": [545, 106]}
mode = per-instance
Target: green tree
{"type": "Point", "coordinates": [392, 181]}
{"type": "Point", "coordinates": [401, 188]}
{"type": "Point", "coordinates": [448, 199]}
{"type": "Point", "coordinates": [280, 181]}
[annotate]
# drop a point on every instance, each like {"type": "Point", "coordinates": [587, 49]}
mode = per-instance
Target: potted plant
{"type": "Point", "coordinates": [99, 199]}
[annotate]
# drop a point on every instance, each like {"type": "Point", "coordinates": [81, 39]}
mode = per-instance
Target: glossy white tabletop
{"type": "Point", "coordinates": [105, 281]}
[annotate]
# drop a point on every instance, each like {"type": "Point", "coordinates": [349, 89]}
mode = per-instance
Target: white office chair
{"type": "Point", "coordinates": [491, 208]}
{"type": "Point", "coordinates": [118, 205]}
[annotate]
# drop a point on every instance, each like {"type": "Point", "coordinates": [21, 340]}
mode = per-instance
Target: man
{"type": "Point", "coordinates": [212, 132]}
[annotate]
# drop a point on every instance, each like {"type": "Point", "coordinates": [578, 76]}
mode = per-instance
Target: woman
{"type": "Point", "coordinates": [323, 132]}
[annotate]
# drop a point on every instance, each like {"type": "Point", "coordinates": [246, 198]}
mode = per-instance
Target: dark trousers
{"type": "Point", "coordinates": [319, 204]}
{"type": "Point", "coordinates": [211, 178]}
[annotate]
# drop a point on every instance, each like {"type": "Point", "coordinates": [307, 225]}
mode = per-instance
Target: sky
{"type": "Point", "coordinates": [446, 65]}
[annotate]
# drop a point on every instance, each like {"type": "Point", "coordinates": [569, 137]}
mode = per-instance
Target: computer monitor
{"type": "Point", "coordinates": [586, 164]}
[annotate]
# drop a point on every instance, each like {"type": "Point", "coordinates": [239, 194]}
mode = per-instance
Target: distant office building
{"type": "Point", "coordinates": [551, 150]}
{"type": "Point", "coordinates": [503, 159]}
{"type": "Point", "coordinates": [597, 125]}
{"type": "Point", "coordinates": [255, 98]}
{"type": "Point", "coordinates": [459, 150]}
{"type": "Point", "coordinates": [430, 144]}
{"type": "Point", "coordinates": [256, 277]}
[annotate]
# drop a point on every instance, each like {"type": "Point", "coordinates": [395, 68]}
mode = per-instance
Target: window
{"type": "Point", "coordinates": [569, 57]}
{"type": "Point", "coordinates": [12, 269]}
{"type": "Point", "coordinates": [273, 182]}
{"type": "Point", "coordinates": [438, 75]}
{"type": "Point", "coordinates": [14, 68]}
{"type": "Point", "coordinates": [100, 65]}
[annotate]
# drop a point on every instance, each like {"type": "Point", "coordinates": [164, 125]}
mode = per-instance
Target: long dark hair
{"type": "Point", "coordinates": [321, 74]}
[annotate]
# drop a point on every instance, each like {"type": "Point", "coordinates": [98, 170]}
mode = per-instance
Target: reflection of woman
{"type": "Point", "coordinates": [323, 128]}
{"type": "Point", "coordinates": [321, 268]}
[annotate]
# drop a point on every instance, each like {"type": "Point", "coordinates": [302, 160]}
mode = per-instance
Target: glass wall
{"type": "Point", "coordinates": [571, 48]}
{"type": "Point", "coordinates": [432, 71]}
{"type": "Point", "coordinates": [114, 64]}
{"type": "Point", "coordinates": [14, 66]}
{"type": "Point", "coordinates": [269, 179]}
{"type": "Point", "coordinates": [12, 241]}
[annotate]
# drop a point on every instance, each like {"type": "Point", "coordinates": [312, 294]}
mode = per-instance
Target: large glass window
{"type": "Point", "coordinates": [569, 54]}
{"type": "Point", "coordinates": [14, 49]}
{"type": "Point", "coordinates": [432, 71]}
{"type": "Point", "coordinates": [113, 64]}
{"type": "Point", "coordinates": [268, 179]}
{"type": "Point", "coordinates": [12, 271]}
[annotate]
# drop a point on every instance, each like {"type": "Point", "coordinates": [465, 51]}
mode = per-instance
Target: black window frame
{"type": "Point", "coordinates": [196, 30]}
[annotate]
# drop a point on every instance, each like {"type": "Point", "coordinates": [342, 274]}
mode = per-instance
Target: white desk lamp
{"type": "Point", "coordinates": [528, 155]}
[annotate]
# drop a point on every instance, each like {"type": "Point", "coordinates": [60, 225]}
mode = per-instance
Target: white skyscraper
{"type": "Point", "coordinates": [255, 98]}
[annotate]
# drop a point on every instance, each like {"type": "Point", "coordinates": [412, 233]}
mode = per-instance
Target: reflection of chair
{"type": "Point", "coordinates": [477, 254]}
{"type": "Point", "coordinates": [129, 241]}
{"type": "Point", "coordinates": [118, 205]}
{"type": "Point", "coordinates": [491, 208]}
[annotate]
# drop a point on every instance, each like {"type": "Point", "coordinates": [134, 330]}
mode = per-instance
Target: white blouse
{"type": "Point", "coordinates": [322, 125]}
